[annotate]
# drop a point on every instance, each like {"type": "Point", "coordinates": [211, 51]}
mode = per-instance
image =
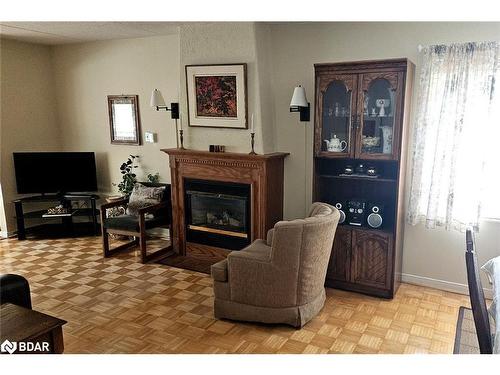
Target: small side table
{"type": "Point", "coordinates": [19, 324]}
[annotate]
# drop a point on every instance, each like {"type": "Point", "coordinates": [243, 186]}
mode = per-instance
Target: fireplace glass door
{"type": "Point", "coordinates": [217, 214]}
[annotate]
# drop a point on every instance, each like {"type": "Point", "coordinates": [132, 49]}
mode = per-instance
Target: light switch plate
{"type": "Point", "coordinates": [150, 137]}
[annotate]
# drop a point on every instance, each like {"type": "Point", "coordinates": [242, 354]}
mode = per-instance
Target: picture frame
{"type": "Point", "coordinates": [124, 120]}
{"type": "Point", "coordinates": [217, 95]}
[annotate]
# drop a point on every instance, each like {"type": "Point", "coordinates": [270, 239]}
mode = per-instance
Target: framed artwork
{"type": "Point", "coordinates": [124, 122]}
{"type": "Point", "coordinates": [217, 95]}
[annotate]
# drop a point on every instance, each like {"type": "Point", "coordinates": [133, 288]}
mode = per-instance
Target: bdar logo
{"type": "Point", "coordinates": [8, 346]}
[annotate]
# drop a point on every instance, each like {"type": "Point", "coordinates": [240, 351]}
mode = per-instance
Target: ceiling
{"type": "Point", "coordinates": [52, 33]}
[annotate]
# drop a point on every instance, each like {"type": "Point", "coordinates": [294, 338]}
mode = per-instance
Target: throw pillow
{"type": "Point", "coordinates": [143, 196]}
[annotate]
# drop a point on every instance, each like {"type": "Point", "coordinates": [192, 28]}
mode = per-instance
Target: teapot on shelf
{"type": "Point", "coordinates": [335, 144]}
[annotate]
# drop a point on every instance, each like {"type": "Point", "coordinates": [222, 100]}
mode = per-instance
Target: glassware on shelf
{"type": "Point", "coordinates": [377, 126]}
{"type": "Point", "coordinates": [337, 109]}
{"type": "Point", "coordinates": [386, 139]}
{"type": "Point", "coordinates": [382, 104]}
{"type": "Point", "coordinates": [336, 126]}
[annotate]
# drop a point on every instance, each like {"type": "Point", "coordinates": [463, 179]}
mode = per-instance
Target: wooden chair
{"type": "Point", "coordinates": [136, 226]}
{"type": "Point", "coordinates": [477, 300]}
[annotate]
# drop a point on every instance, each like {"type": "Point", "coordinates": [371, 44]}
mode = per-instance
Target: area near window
{"type": "Point", "coordinates": [456, 131]}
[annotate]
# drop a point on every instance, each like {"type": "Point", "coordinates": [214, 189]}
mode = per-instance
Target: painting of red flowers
{"type": "Point", "coordinates": [216, 96]}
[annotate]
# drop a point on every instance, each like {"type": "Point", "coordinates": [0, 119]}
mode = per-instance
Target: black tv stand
{"type": "Point", "coordinates": [66, 227]}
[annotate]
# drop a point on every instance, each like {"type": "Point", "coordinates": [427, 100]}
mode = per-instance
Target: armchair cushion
{"type": "Point", "coordinates": [131, 222]}
{"type": "Point", "coordinates": [143, 196]}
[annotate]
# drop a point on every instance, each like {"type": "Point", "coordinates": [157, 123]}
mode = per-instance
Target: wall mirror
{"type": "Point", "coordinates": [124, 123]}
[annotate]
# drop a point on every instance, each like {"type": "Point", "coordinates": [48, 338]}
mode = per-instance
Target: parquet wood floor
{"type": "Point", "coordinates": [119, 305]}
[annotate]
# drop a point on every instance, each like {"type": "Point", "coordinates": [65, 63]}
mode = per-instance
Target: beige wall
{"type": "Point", "coordinates": [28, 120]}
{"type": "Point", "coordinates": [435, 257]}
{"type": "Point", "coordinates": [86, 73]}
{"type": "Point", "coordinates": [226, 43]}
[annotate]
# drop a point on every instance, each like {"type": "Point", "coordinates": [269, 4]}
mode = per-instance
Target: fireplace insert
{"type": "Point", "coordinates": [218, 213]}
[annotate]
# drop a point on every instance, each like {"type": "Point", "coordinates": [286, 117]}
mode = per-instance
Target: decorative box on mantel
{"type": "Point", "coordinates": [224, 200]}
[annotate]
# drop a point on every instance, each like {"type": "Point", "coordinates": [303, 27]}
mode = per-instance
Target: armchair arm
{"type": "Point", "coordinates": [152, 208]}
{"type": "Point", "coordinates": [147, 210]}
{"type": "Point", "coordinates": [256, 252]}
{"type": "Point", "coordinates": [119, 202]}
{"type": "Point", "coordinates": [254, 279]}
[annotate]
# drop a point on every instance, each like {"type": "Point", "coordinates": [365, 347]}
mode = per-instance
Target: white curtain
{"type": "Point", "coordinates": [455, 134]}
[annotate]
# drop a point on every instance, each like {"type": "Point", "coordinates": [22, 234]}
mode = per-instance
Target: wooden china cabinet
{"type": "Point", "coordinates": [360, 137]}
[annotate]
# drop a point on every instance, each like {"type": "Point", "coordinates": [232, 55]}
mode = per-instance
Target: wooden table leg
{"type": "Point", "coordinates": [57, 340]}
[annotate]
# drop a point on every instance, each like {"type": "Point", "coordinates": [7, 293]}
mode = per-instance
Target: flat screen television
{"type": "Point", "coordinates": [55, 172]}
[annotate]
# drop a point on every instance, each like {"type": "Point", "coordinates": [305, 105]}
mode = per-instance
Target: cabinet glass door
{"type": "Point", "coordinates": [377, 114]}
{"type": "Point", "coordinates": [336, 108]}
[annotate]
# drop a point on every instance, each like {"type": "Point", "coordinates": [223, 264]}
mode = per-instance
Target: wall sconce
{"type": "Point", "coordinates": [300, 104]}
{"type": "Point", "coordinates": [158, 102]}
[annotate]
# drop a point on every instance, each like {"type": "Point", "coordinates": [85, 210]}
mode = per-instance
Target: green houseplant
{"type": "Point", "coordinates": [154, 178]}
{"type": "Point", "coordinates": [129, 178]}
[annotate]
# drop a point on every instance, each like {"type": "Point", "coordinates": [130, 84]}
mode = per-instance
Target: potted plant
{"type": "Point", "coordinates": [154, 178]}
{"type": "Point", "coordinates": [129, 178]}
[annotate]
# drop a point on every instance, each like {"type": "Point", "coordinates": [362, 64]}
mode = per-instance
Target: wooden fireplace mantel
{"type": "Point", "coordinates": [264, 173]}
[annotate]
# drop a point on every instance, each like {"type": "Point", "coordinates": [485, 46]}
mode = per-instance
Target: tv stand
{"type": "Point", "coordinates": [66, 227]}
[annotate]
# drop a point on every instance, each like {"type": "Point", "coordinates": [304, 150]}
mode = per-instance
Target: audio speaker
{"type": "Point", "coordinates": [375, 218]}
{"type": "Point", "coordinates": [339, 206]}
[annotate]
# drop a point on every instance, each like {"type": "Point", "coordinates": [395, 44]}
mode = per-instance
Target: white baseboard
{"type": "Point", "coordinates": [441, 284]}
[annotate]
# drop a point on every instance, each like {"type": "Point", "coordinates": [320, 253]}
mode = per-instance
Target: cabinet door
{"type": "Point", "coordinates": [371, 258]}
{"type": "Point", "coordinates": [340, 260]}
{"type": "Point", "coordinates": [378, 118]}
{"type": "Point", "coordinates": [334, 113]}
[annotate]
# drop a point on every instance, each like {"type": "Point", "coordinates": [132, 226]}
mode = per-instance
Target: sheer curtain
{"type": "Point", "coordinates": [455, 134]}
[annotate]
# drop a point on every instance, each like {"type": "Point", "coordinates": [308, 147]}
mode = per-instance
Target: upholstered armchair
{"type": "Point", "coordinates": [280, 279]}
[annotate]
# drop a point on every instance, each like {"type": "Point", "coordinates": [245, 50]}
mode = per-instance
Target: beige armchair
{"type": "Point", "coordinates": [280, 280]}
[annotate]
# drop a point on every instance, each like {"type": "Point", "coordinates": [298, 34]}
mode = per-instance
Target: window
{"type": "Point", "coordinates": [456, 137]}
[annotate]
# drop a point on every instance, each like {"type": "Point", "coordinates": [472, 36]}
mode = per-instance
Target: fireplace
{"type": "Point", "coordinates": [218, 213]}
{"type": "Point", "coordinates": [259, 178]}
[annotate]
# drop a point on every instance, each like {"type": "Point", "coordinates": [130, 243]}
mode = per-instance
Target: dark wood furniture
{"type": "Point", "coordinates": [366, 104]}
{"type": "Point", "coordinates": [66, 227]}
{"type": "Point", "coordinates": [477, 300]}
{"type": "Point", "coordinates": [19, 324]}
{"type": "Point", "coordinates": [136, 226]}
{"type": "Point", "coordinates": [264, 174]}
{"type": "Point", "coordinates": [15, 289]}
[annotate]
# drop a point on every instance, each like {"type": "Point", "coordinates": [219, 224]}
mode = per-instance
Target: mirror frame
{"type": "Point", "coordinates": [135, 102]}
